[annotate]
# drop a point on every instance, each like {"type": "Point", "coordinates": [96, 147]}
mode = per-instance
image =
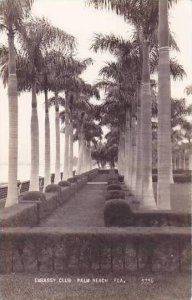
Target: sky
{"type": "Point", "coordinates": [82, 21]}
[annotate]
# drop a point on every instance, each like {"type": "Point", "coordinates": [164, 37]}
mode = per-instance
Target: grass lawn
{"type": "Point", "coordinates": [181, 196]}
{"type": "Point", "coordinates": [162, 287]}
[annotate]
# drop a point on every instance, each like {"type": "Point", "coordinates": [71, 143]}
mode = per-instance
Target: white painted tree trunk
{"type": "Point", "coordinates": [148, 200]}
{"type": "Point", "coordinates": [71, 150]}
{"type": "Point", "coordinates": [47, 162]}
{"type": "Point", "coordinates": [66, 149]}
{"type": "Point", "coordinates": [90, 160]}
{"type": "Point", "coordinates": [121, 154]}
{"type": "Point", "coordinates": [34, 176]}
{"type": "Point", "coordinates": [190, 160]}
{"type": "Point", "coordinates": [138, 191]}
{"type": "Point", "coordinates": [180, 161]}
{"type": "Point", "coordinates": [174, 162]}
{"type": "Point", "coordinates": [84, 164]}
{"type": "Point", "coordinates": [171, 169]}
{"type": "Point", "coordinates": [164, 111]}
{"type": "Point", "coordinates": [134, 155]}
{"type": "Point", "coordinates": [12, 194]}
{"type": "Point", "coordinates": [80, 156]}
{"type": "Point", "coordinates": [57, 142]}
{"type": "Point", "coordinates": [184, 161]}
{"type": "Point", "coordinates": [127, 144]}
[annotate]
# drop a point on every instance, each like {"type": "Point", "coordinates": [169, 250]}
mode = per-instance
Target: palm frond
{"type": "Point", "coordinates": [176, 69]}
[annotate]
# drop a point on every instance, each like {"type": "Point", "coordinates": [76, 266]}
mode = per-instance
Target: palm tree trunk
{"type": "Point", "coordinates": [80, 156]}
{"type": "Point", "coordinates": [190, 157]}
{"type": "Point", "coordinates": [71, 150]}
{"type": "Point", "coordinates": [57, 141]}
{"type": "Point", "coordinates": [171, 170]}
{"type": "Point", "coordinates": [139, 150]}
{"type": "Point", "coordinates": [148, 200]}
{"type": "Point", "coordinates": [120, 162]}
{"type": "Point", "coordinates": [84, 160]}
{"type": "Point", "coordinates": [66, 150]}
{"type": "Point", "coordinates": [34, 177]}
{"type": "Point", "coordinates": [177, 161]}
{"type": "Point", "coordinates": [90, 158]}
{"type": "Point", "coordinates": [174, 162]}
{"type": "Point", "coordinates": [127, 146]}
{"type": "Point", "coordinates": [47, 144]}
{"type": "Point", "coordinates": [12, 195]}
{"type": "Point", "coordinates": [134, 153]}
{"type": "Point", "coordinates": [180, 161]}
{"type": "Point", "coordinates": [184, 160]}
{"type": "Point", "coordinates": [164, 111]}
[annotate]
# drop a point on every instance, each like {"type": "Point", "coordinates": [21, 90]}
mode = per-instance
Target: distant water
{"type": "Point", "coordinates": [23, 172]}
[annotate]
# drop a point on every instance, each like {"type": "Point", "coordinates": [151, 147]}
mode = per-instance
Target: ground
{"type": "Point", "coordinates": [148, 287]}
{"type": "Point", "coordinates": [86, 209]}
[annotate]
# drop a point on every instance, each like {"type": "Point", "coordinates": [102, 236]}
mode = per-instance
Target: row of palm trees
{"type": "Point", "coordinates": [43, 60]}
{"type": "Point", "coordinates": [130, 93]}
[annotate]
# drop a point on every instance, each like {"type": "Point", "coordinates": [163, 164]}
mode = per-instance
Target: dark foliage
{"type": "Point", "coordinates": [121, 178]}
{"type": "Point", "coordinates": [117, 213]}
{"type": "Point", "coordinates": [114, 187]}
{"type": "Point", "coordinates": [115, 194]}
{"type": "Point", "coordinates": [51, 188]}
{"type": "Point", "coordinates": [32, 196]}
{"type": "Point", "coordinates": [64, 183]}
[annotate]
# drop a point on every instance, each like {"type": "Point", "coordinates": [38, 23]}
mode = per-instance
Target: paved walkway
{"type": "Point", "coordinates": [83, 209]}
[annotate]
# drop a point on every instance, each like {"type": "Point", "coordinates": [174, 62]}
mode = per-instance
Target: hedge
{"type": "Point", "coordinates": [88, 250]}
{"type": "Point", "coordinates": [114, 187]}
{"type": "Point", "coordinates": [121, 178]}
{"type": "Point", "coordinates": [178, 178]}
{"type": "Point", "coordinates": [117, 212]}
{"type": "Point", "coordinates": [115, 194]}
{"type": "Point", "coordinates": [162, 218]}
{"type": "Point", "coordinates": [64, 183]}
{"type": "Point", "coordinates": [23, 214]}
{"type": "Point", "coordinates": [72, 179]}
{"type": "Point", "coordinates": [32, 196]}
{"type": "Point", "coordinates": [54, 188]}
{"type": "Point", "coordinates": [113, 181]}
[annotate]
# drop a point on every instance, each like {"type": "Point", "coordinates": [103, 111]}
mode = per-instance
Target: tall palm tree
{"type": "Point", "coordinates": [144, 16]}
{"type": "Point", "coordinates": [12, 14]}
{"type": "Point", "coordinates": [164, 111]}
{"type": "Point", "coordinates": [37, 38]}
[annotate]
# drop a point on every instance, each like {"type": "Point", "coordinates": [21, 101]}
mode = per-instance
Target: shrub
{"type": "Point", "coordinates": [63, 183]}
{"type": "Point", "coordinates": [162, 218]}
{"type": "Point", "coordinates": [72, 180]}
{"type": "Point", "coordinates": [117, 213]}
{"type": "Point", "coordinates": [52, 178]}
{"type": "Point", "coordinates": [114, 187]}
{"type": "Point", "coordinates": [154, 177]}
{"type": "Point", "coordinates": [53, 188]}
{"type": "Point", "coordinates": [113, 181]}
{"type": "Point", "coordinates": [32, 196]}
{"type": "Point", "coordinates": [185, 178]}
{"type": "Point", "coordinates": [178, 178]}
{"type": "Point", "coordinates": [121, 178]}
{"type": "Point", "coordinates": [111, 172]}
{"type": "Point", "coordinates": [115, 194]}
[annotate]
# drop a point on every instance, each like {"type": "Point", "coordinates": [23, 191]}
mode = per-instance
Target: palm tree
{"type": "Point", "coordinates": [164, 111]}
{"type": "Point", "coordinates": [12, 14]}
{"type": "Point", "coordinates": [188, 90]}
{"type": "Point", "coordinates": [144, 16]}
{"type": "Point", "coordinates": [37, 38]}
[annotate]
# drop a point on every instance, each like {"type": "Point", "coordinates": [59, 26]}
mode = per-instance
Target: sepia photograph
{"type": "Point", "coordinates": [95, 149]}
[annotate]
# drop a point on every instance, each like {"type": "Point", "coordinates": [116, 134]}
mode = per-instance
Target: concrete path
{"type": "Point", "coordinates": [83, 209]}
